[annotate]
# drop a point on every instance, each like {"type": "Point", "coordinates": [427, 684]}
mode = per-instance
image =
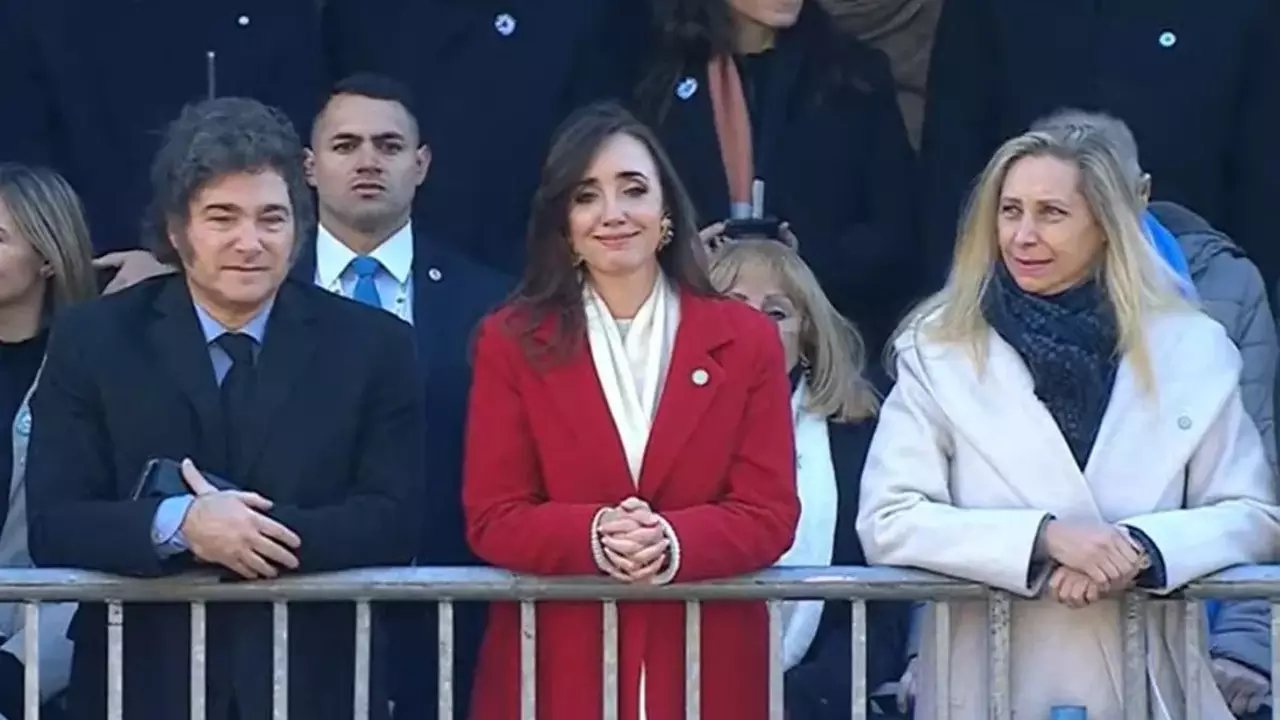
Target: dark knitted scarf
{"type": "Point", "coordinates": [1069, 344]}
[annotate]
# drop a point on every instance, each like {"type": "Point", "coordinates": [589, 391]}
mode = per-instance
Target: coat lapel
{"type": "Point", "coordinates": [287, 350]}
{"type": "Point", "coordinates": [997, 412]}
{"type": "Point", "coordinates": [693, 379]}
{"type": "Point", "coordinates": [575, 391]}
{"type": "Point", "coordinates": [1158, 433]}
{"type": "Point", "coordinates": [176, 339]}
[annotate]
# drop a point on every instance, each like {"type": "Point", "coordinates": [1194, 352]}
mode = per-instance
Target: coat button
{"type": "Point", "coordinates": [505, 24]}
{"type": "Point", "coordinates": [243, 21]}
{"type": "Point", "coordinates": [434, 274]}
{"type": "Point", "coordinates": [1184, 422]}
{"type": "Point", "coordinates": [700, 377]}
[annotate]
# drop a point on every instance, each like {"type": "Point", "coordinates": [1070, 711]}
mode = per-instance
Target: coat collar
{"type": "Point", "coordinates": [1196, 368]}
{"type": "Point", "coordinates": [693, 378]}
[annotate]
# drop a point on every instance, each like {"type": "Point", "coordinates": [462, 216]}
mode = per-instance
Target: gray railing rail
{"type": "Point", "coordinates": [446, 586]}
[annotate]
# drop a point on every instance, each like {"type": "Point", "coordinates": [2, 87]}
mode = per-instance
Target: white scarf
{"type": "Point", "coordinates": [632, 369]}
{"type": "Point", "coordinates": [816, 531]}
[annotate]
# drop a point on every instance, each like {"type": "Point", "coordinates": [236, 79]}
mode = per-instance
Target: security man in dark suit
{"type": "Point", "coordinates": [1196, 80]}
{"type": "Point", "coordinates": [494, 78]}
{"type": "Point", "coordinates": [89, 85]}
{"type": "Point", "coordinates": [307, 404]}
{"type": "Point", "coordinates": [366, 162]}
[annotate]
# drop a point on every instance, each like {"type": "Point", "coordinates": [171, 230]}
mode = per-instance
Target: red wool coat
{"type": "Point", "coordinates": [543, 456]}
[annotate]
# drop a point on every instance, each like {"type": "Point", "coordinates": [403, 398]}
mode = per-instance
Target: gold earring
{"type": "Point", "coordinates": [668, 232]}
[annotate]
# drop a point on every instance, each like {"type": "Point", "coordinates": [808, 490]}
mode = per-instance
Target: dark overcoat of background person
{"type": "Point", "coordinates": [450, 296]}
{"type": "Point", "coordinates": [831, 147]}
{"type": "Point", "coordinates": [90, 85]}
{"type": "Point", "coordinates": [1195, 80]}
{"type": "Point", "coordinates": [336, 445]}
{"type": "Point", "coordinates": [492, 79]}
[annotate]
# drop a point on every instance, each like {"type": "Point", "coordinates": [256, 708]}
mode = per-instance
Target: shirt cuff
{"type": "Point", "coordinates": [673, 554]}
{"type": "Point", "coordinates": [166, 528]}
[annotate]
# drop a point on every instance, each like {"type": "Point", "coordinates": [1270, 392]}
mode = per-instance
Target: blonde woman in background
{"type": "Point", "coordinates": [45, 267]}
{"type": "Point", "coordinates": [1063, 417]}
{"type": "Point", "coordinates": [833, 409]}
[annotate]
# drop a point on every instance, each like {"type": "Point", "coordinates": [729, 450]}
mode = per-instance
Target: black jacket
{"type": "Point", "coordinates": [835, 160]}
{"type": "Point", "coordinates": [818, 688]}
{"type": "Point", "coordinates": [1196, 81]}
{"type": "Point", "coordinates": [450, 296]}
{"type": "Point", "coordinates": [89, 86]}
{"type": "Point", "coordinates": [487, 101]}
{"type": "Point", "coordinates": [339, 428]}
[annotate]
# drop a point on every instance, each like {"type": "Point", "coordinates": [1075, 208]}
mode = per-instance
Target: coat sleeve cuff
{"type": "Point", "coordinates": [673, 554]}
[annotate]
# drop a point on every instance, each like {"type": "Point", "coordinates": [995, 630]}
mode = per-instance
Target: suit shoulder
{"type": "Point", "coordinates": [106, 313]}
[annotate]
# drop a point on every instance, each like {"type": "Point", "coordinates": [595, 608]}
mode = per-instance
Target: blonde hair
{"type": "Point", "coordinates": [1136, 281]}
{"type": "Point", "coordinates": [830, 343]}
{"type": "Point", "coordinates": [48, 214]}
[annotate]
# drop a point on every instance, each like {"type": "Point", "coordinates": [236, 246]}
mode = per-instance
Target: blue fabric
{"type": "Point", "coordinates": [366, 290]}
{"type": "Point", "coordinates": [1170, 251]}
{"type": "Point", "coordinates": [1211, 609]}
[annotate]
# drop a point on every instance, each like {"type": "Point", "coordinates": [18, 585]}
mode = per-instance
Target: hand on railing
{"type": "Point", "coordinates": [228, 528]}
{"type": "Point", "coordinates": [634, 542]}
{"type": "Point", "coordinates": [1243, 687]}
{"type": "Point", "coordinates": [1107, 555]}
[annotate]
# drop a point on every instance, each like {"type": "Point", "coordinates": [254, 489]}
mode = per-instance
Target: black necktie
{"type": "Point", "coordinates": [237, 393]}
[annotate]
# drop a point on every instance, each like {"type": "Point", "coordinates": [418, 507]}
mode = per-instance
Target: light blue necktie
{"type": "Point", "coordinates": [366, 291]}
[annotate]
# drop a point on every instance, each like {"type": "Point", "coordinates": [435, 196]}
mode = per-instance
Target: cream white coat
{"type": "Point", "coordinates": [965, 464]}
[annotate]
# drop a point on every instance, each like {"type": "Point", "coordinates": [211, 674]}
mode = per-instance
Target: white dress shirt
{"type": "Point", "coordinates": [394, 281]}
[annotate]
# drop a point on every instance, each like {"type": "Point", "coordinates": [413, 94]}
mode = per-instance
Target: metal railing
{"type": "Point", "coordinates": [446, 586]}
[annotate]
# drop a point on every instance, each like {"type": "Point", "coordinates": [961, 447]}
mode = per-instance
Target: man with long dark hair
{"type": "Point", "coordinates": [225, 417]}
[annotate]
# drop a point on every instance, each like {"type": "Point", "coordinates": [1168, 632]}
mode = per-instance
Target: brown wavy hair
{"type": "Point", "coordinates": [552, 286]}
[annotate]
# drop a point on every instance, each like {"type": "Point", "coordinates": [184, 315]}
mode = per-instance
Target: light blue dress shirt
{"type": "Point", "coordinates": [166, 528]}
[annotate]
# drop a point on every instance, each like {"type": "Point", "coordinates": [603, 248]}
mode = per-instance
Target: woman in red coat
{"type": "Point", "coordinates": [625, 421]}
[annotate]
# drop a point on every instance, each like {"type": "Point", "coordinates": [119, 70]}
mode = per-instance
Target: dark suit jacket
{"type": "Point", "coordinates": [339, 430]}
{"type": "Point", "coordinates": [836, 163]}
{"type": "Point", "coordinates": [487, 102]}
{"type": "Point", "coordinates": [450, 296]}
{"type": "Point", "coordinates": [818, 687]}
{"type": "Point", "coordinates": [1196, 81]}
{"type": "Point", "coordinates": [90, 85]}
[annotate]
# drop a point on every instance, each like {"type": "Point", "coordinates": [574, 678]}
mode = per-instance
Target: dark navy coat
{"type": "Point", "coordinates": [450, 295]}
{"type": "Point", "coordinates": [1196, 81]}
{"type": "Point", "coordinates": [89, 85]}
{"type": "Point", "coordinates": [491, 80]}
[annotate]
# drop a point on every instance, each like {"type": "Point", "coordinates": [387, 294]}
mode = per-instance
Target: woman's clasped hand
{"type": "Point", "coordinates": [634, 541]}
{"type": "Point", "coordinates": [1093, 561]}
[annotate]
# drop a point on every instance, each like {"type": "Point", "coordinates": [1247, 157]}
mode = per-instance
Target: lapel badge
{"type": "Point", "coordinates": [700, 377]}
{"type": "Point", "coordinates": [24, 423]}
{"type": "Point", "coordinates": [1184, 422]}
{"type": "Point", "coordinates": [505, 24]}
{"type": "Point", "coordinates": [687, 88]}
{"type": "Point", "coordinates": [1168, 39]}
{"type": "Point", "coordinates": [434, 274]}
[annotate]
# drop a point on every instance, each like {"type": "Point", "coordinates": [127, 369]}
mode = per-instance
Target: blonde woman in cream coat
{"type": "Point", "coordinates": [1064, 426]}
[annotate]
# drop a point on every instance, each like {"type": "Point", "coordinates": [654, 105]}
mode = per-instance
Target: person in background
{"type": "Point", "coordinates": [228, 418]}
{"type": "Point", "coordinates": [627, 422]}
{"type": "Point", "coordinates": [45, 268]}
{"type": "Point", "coordinates": [89, 86]}
{"type": "Point", "coordinates": [833, 408]}
{"type": "Point", "coordinates": [903, 30]}
{"type": "Point", "coordinates": [1026, 394]}
{"type": "Point", "coordinates": [998, 65]}
{"type": "Point", "coordinates": [494, 78]}
{"type": "Point", "coordinates": [366, 162]}
{"type": "Point", "coordinates": [741, 90]}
